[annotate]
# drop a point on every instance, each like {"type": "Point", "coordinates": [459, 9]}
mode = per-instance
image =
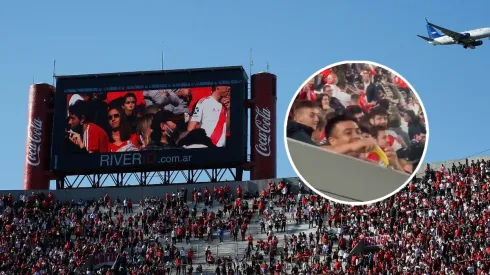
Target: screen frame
{"type": "Point", "coordinates": [232, 155]}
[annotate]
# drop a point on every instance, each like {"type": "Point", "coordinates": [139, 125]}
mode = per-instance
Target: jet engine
{"type": "Point", "coordinates": [465, 35]}
{"type": "Point", "coordinates": [477, 43]}
{"type": "Point", "coordinates": [473, 44]}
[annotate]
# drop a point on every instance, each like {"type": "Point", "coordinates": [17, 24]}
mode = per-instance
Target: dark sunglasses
{"type": "Point", "coordinates": [130, 102]}
{"type": "Point", "coordinates": [113, 116]}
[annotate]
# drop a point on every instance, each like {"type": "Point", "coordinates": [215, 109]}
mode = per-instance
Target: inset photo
{"type": "Point", "coordinates": [356, 132]}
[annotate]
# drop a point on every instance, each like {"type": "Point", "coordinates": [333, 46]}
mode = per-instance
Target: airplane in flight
{"type": "Point", "coordinates": [468, 39]}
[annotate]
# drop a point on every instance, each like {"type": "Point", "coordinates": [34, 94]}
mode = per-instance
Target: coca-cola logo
{"type": "Point", "coordinates": [34, 142]}
{"type": "Point", "coordinates": [263, 124]}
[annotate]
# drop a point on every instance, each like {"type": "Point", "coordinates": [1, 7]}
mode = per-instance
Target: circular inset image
{"type": "Point", "coordinates": [356, 132]}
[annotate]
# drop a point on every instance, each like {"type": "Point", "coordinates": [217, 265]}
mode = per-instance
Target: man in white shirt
{"type": "Point", "coordinates": [212, 113]}
{"type": "Point", "coordinates": [341, 94]}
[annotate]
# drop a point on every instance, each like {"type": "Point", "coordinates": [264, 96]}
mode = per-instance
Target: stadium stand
{"type": "Point", "coordinates": [438, 224]}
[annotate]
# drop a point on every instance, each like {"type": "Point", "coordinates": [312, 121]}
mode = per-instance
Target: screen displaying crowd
{"type": "Point", "coordinates": [126, 121]}
{"type": "Point", "coordinates": [359, 110]}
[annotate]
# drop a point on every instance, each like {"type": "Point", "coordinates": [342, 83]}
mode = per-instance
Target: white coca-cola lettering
{"type": "Point", "coordinates": [263, 124]}
{"type": "Point", "coordinates": [34, 142]}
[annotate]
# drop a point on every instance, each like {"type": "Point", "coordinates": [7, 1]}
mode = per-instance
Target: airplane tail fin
{"type": "Point", "coordinates": [433, 33]}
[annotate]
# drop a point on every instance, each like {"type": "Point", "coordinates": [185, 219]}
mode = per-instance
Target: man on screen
{"type": "Point", "coordinates": [83, 132]}
{"type": "Point", "coordinates": [163, 132]}
{"type": "Point", "coordinates": [212, 114]}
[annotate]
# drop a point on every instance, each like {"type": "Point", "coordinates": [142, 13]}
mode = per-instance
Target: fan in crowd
{"type": "Point", "coordinates": [148, 120]}
{"type": "Point", "coordinates": [359, 110]}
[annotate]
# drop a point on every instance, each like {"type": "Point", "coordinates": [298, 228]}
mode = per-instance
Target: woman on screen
{"type": "Point", "coordinates": [120, 137]}
{"type": "Point", "coordinates": [129, 106]}
{"type": "Point", "coordinates": [144, 129]}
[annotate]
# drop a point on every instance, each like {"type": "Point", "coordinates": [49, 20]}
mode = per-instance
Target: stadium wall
{"type": "Point", "coordinates": [136, 193]}
{"type": "Point", "coordinates": [449, 163]}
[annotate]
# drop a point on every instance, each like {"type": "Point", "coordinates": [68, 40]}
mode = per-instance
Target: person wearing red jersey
{"type": "Point", "coordinates": [85, 134]}
{"type": "Point", "coordinates": [120, 137]}
{"type": "Point", "coordinates": [250, 240]}
{"type": "Point", "coordinates": [380, 134]}
{"type": "Point", "coordinates": [212, 113]}
{"type": "Point", "coordinates": [239, 192]}
{"type": "Point", "coordinates": [308, 91]}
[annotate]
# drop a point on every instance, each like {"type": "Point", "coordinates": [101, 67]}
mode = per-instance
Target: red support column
{"type": "Point", "coordinates": [263, 126]}
{"type": "Point", "coordinates": [38, 143]}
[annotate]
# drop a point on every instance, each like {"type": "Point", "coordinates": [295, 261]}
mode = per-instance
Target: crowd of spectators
{"type": "Point", "coordinates": [438, 224]}
{"type": "Point", "coordinates": [359, 110]}
{"type": "Point", "coordinates": [41, 235]}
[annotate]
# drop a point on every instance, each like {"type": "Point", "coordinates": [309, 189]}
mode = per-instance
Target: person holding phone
{"type": "Point", "coordinates": [83, 132]}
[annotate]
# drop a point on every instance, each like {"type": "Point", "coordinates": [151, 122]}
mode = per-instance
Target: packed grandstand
{"type": "Point", "coordinates": [438, 224]}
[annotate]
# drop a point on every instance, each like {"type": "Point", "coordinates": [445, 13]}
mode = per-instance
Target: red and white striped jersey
{"type": "Point", "coordinates": [392, 136]}
{"type": "Point", "coordinates": [212, 115]}
{"type": "Point", "coordinates": [95, 139]}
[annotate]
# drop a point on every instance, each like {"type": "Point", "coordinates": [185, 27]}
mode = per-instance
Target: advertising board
{"type": "Point", "coordinates": [148, 121]}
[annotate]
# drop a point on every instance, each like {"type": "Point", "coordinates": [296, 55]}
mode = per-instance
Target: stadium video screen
{"type": "Point", "coordinates": [148, 120]}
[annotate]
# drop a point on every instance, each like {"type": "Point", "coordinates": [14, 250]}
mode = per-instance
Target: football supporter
{"type": "Point", "coordinates": [415, 125]}
{"type": "Point", "coordinates": [380, 133]}
{"type": "Point", "coordinates": [318, 133]}
{"type": "Point", "coordinates": [212, 114]}
{"type": "Point", "coordinates": [144, 129]}
{"type": "Point", "coordinates": [304, 122]}
{"type": "Point", "coordinates": [86, 135]}
{"type": "Point", "coordinates": [378, 116]}
{"type": "Point", "coordinates": [120, 134]}
{"type": "Point", "coordinates": [112, 112]}
{"type": "Point", "coordinates": [343, 136]}
{"type": "Point", "coordinates": [98, 107]}
{"type": "Point", "coordinates": [129, 107]}
{"type": "Point", "coordinates": [373, 97]}
{"type": "Point", "coordinates": [164, 132]}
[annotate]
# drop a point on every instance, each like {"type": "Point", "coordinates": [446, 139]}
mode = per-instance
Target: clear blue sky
{"type": "Point", "coordinates": [296, 39]}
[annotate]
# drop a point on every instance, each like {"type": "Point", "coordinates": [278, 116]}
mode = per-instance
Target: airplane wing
{"type": "Point", "coordinates": [454, 35]}
{"type": "Point", "coordinates": [425, 38]}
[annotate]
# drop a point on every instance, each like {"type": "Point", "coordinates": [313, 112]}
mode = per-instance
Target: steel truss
{"type": "Point", "coordinates": [150, 178]}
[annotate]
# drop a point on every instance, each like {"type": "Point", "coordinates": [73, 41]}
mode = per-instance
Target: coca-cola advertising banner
{"type": "Point", "coordinates": [34, 141]}
{"type": "Point", "coordinates": [38, 135]}
{"type": "Point", "coordinates": [149, 121]}
{"type": "Point", "coordinates": [263, 124]}
{"type": "Point", "coordinates": [263, 127]}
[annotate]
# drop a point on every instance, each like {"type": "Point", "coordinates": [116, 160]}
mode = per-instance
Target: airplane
{"type": "Point", "coordinates": [468, 39]}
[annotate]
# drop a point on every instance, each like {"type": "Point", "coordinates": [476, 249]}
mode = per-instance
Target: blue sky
{"type": "Point", "coordinates": [296, 39]}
